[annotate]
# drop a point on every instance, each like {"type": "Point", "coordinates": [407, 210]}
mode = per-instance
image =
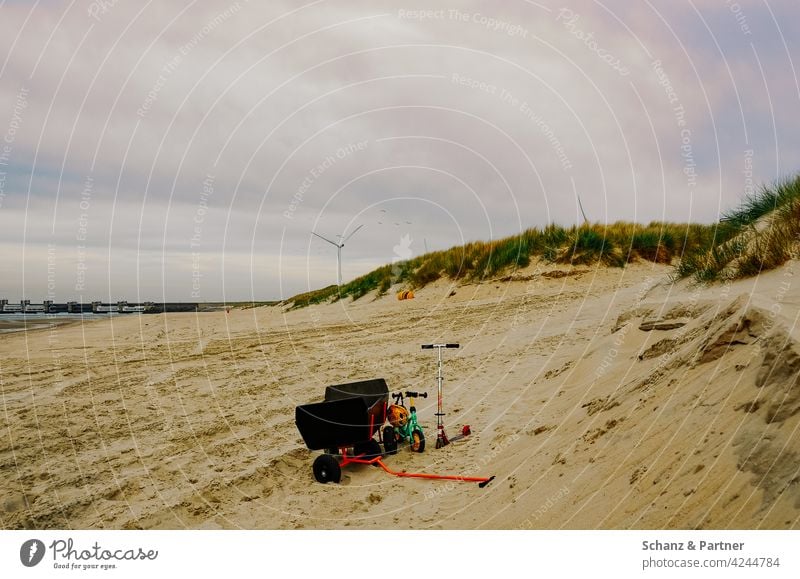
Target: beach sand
{"type": "Point", "coordinates": [599, 398]}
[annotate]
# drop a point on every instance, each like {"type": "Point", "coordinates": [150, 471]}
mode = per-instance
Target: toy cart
{"type": "Point", "coordinates": [345, 424]}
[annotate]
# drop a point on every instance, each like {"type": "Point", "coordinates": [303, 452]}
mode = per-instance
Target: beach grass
{"type": "Point", "coordinates": [612, 245]}
{"type": "Point", "coordinates": [761, 234]}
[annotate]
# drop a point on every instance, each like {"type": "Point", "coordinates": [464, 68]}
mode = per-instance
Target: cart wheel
{"type": "Point", "coordinates": [369, 449]}
{"type": "Point", "coordinates": [417, 441]}
{"type": "Point", "coordinates": [389, 440]}
{"type": "Point", "coordinates": [327, 469]}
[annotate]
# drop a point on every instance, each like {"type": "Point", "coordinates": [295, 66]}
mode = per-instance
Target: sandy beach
{"type": "Point", "coordinates": [599, 398]}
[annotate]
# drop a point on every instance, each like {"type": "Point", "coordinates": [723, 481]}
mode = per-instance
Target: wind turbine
{"type": "Point", "coordinates": [339, 247]}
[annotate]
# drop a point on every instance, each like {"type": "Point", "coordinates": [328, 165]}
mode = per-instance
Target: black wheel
{"type": "Point", "coordinates": [369, 449]}
{"type": "Point", "coordinates": [327, 469]}
{"type": "Point", "coordinates": [417, 441]}
{"type": "Point", "coordinates": [389, 440]}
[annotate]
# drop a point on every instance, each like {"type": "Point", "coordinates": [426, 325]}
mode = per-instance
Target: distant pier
{"type": "Point", "coordinates": [122, 307]}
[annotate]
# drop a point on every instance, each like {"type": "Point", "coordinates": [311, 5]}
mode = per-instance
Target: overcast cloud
{"type": "Point", "coordinates": [186, 150]}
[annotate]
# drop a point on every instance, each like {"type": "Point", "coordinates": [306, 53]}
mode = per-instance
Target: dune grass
{"type": "Point", "coordinates": [761, 234]}
{"type": "Point", "coordinates": [612, 245]}
{"type": "Point", "coordinates": [763, 202]}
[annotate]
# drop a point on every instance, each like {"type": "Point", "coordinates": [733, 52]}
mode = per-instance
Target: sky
{"type": "Point", "coordinates": [185, 150]}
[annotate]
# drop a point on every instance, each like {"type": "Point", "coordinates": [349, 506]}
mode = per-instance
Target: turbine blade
{"type": "Point", "coordinates": [325, 238]}
{"type": "Point", "coordinates": [580, 205]}
{"type": "Point", "coordinates": [352, 233]}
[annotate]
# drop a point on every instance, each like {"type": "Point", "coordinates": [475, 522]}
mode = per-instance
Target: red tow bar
{"type": "Point", "coordinates": [482, 481]}
{"type": "Point", "coordinates": [377, 461]}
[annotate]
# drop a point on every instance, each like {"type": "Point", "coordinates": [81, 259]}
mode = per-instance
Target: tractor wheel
{"type": "Point", "coordinates": [389, 440]}
{"type": "Point", "coordinates": [327, 469]}
{"type": "Point", "coordinates": [417, 441]}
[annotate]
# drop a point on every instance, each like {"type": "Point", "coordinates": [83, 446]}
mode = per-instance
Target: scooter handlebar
{"type": "Point", "coordinates": [432, 346]}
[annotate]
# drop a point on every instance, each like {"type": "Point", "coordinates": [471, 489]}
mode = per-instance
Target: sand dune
{"type": "Point", "coordinates": [599, 398]}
